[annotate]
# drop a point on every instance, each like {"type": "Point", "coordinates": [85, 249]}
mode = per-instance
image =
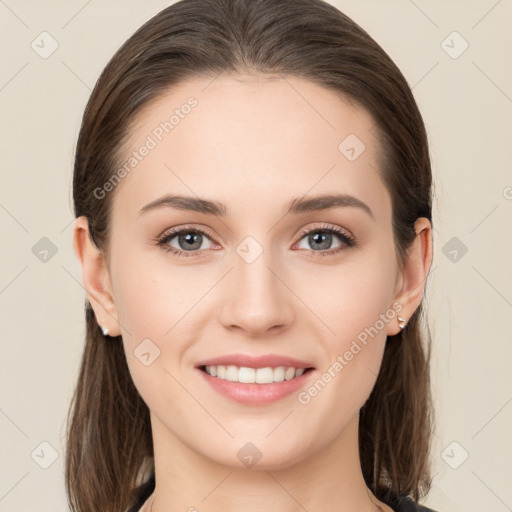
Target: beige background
{"type": "Point", "coordinates": [467, 106]}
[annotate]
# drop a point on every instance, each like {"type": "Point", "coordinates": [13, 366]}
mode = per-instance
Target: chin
{"type": "Point", "coordinates": [256, 457]}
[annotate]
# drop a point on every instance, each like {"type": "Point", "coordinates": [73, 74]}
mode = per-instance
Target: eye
{"type": "Point", "coordinates": [321, 238]}
{"type": "Point", "coordinates": [189, 241]}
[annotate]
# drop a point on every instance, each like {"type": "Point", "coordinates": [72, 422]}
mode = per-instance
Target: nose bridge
{"type": "Point", "coordinates": [258, 300]}
{"type": "Point", "coordinates": [252, 270]}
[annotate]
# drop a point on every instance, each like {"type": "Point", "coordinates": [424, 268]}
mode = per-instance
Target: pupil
{"type": "Point", "coordinates": [318, 237]}
{"type": "Point", "coordinates": [191, 239]}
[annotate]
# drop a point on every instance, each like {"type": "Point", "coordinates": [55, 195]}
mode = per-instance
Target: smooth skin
{"type": "Point", "coordinates": [253, 144]}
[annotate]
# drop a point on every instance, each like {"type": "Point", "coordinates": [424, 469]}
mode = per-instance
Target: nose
{"type": "Point", "coordinates": [258, 300]}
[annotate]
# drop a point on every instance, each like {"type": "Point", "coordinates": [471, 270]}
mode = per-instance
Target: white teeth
{"type": "Point", "coordinates": [289, 373]}
{"type": "Point", "coordinates": [232, 373]}
{"type": "Point", "coordinates": [279, 374]}
{"type": "Point", "coordinates": [254, 375]}
{"type": "Point", "coordinates": [264, 376]}
{"type": "Point", "coordinates": [247, 375]}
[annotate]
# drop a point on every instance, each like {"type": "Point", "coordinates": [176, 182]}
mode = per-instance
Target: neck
{"type": "Point", "coordinates": [330, 480]}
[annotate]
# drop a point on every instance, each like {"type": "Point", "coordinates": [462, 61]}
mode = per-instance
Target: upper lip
{"type": "Point", "coordinates": [263, 361]}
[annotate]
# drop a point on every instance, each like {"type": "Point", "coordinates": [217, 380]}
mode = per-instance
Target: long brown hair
{"type": "Point", "coordinates": [109, 445]}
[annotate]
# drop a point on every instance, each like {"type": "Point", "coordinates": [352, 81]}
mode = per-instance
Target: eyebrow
{"type": "Point", "coordinates": [295, 206]}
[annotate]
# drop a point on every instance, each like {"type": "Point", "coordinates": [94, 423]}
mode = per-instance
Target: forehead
{"type": "Point", "coordinates": [241, 139]}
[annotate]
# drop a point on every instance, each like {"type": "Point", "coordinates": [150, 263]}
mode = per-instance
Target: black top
{"type": "Point", "coordinates": [405, 504]}
{"type": "Point", "coordinates": [398, 504]}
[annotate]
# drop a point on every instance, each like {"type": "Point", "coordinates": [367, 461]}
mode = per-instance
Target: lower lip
{"type": "Point", "coordinates": [256, 394]}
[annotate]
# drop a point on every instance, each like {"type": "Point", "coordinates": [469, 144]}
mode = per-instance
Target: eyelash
{"type": "Point", "coordinates": [346, 239]}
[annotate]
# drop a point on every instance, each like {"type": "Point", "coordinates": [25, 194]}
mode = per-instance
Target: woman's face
{"type": "Point", "coordinates": [261, 280]}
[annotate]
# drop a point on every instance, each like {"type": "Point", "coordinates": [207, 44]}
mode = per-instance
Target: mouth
{"type": "Point", "coordinates": [255, 381]}
{"type": "Point", "coordinates": [248, 375]}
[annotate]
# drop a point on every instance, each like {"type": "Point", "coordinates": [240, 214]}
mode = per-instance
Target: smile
{"type": "Point", "coordinates": [247, 375]}
{"type": "Point", "coordinates": [263, 386]}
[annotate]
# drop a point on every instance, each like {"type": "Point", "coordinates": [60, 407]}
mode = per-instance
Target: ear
{"type": "Point", "coordinates": [95, 277]}
{"type": "Point", "coordinates": [411, 279]}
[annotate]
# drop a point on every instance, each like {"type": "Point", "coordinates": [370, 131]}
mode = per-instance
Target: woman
{"type": "Point", "coordinates": [252, 188]}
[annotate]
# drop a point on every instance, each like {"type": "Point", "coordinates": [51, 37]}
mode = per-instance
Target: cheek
{"type": "Point", "coordinates": [351, 297]}
{"type": "Point", "coordinates": [356, 308]}
{"type": "Point", "coordinates": [158, 304]}
{"type": "Point", "coordinates": [154, 295]}
{"type": "Point", "coordinates": [152, 302]}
